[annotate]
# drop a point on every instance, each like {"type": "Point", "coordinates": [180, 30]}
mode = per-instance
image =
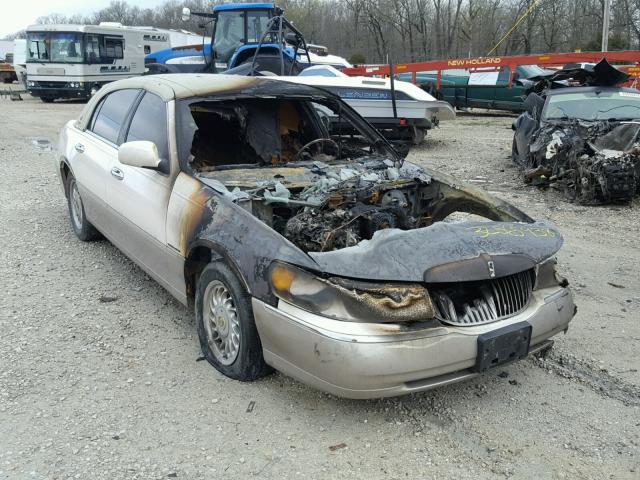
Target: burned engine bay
{"type": "Point", "coordinates": [322, 207]}
{"type": "Point", "coordinates": [592, 162]}
{"type": "Point", "coordinates": [276, 159]}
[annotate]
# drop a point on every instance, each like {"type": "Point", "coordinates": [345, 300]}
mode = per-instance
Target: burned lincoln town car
{"type": "Point", "coordinates": [582, 140]}
{"type": "Point", "coordinates": [324, 256]}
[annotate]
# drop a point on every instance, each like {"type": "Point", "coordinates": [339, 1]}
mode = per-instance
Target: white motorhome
{"type": "Point", "coordinates": [73, 61]}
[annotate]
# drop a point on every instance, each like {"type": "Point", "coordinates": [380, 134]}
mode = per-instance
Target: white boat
{"type": "Point", "coordinates": [415, 110]}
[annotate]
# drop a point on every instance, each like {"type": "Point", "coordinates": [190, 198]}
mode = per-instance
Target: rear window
{"type": "Point", "coordinates": [111, 115]}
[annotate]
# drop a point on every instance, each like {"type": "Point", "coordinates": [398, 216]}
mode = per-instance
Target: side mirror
{"type": "Point", "coordinates": [186, 14]}
{"type": "Point", "coordinates": [141, 154]}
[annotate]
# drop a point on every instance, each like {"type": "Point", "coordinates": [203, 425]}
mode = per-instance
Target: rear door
{"type": "Point", "coordinates": [138, 196]}
{"type": "Point", "coordinates": [94, 151]}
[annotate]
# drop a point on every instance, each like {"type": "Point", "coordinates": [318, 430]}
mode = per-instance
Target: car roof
{"type": "Point", "coordinates": [564, 90]}
{"type": "Point", "coordinates": [188, 85]}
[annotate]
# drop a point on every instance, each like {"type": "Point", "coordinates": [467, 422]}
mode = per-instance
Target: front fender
{"type": "Point", "coordinates": [200, 216]}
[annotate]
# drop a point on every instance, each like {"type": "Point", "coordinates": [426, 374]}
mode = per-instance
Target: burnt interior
{"type": "Point", "coordinates": [279, 160]}
{"type": "Point", "coordinates": [249, 132]}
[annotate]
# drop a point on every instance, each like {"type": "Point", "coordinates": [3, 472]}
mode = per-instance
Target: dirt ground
{"type": "Point", "coordinates": [96, 389]}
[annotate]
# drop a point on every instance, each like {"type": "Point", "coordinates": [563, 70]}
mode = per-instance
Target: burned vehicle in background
{"type": "Point", "coordinates": [583, 139]}
{"type": "Point", "coordinates": [322, 255]}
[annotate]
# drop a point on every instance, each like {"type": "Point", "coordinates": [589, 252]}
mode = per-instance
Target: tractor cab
{"type": "Point", "coordinates": [238, 28]}
{"type": "Point", "coordinates": [252, 36]}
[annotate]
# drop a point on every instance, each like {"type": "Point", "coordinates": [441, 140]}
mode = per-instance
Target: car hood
{"type": "Point", "coordinates": [445, 252]}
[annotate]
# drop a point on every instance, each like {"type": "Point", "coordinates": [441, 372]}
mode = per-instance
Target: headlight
{"type": "Point", "coordinates": [547, 276]}
{"type": "Point", "coordinates": [31, 84]}
{"type": "Point", "coordinates": [351, 300]}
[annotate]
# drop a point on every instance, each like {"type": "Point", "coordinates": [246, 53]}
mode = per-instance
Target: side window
{"type": "Point", "coordinates": [95, 115]}
{"type": "Point", "coordinates": [113, 47]}
{"type": "Point", "coordinates": [147, 49]}
{"type": "Point", "coordinates": [112, 113]}
{"type": "Point", "coordinates": [150, 123]}
{"type": "Point", "coordinates": [503, 76]}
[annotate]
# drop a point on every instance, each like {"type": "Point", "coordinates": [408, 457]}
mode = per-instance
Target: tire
{"type": "Point", "coordinates": [226, 328]}
{"type": "Point", "coordinates": [417, 135]}
{"type": "Point", "coordinates": [514, 151]}
{"type": "Point", "coordinates": [47, 99]}
{"type": "Point", "coordinates": [79, 223]}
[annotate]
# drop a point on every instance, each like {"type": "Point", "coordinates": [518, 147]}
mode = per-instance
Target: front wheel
{"type": "Point", "coordinates": [226, 328]}
{"type": "Point", "coordinates": [47, 99]}
{"type": "Point", "coordinates": [515, 157]}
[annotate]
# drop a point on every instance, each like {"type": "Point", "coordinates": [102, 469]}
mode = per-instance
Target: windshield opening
{"type": "Point", "coordinates": [596, 105]}
{"type": "Point", "coordinates": [268, 132]}
{"type": "Point", "coordinates": [58, 47]}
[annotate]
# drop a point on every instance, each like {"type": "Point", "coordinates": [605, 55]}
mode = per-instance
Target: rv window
{"type": "Point", "coordinates": [38, 46]}
{"type": "Point", "coordinates": [110, 118]}
{"type": "Point", "coordinates": [92, 48]}
{"type": "Point", "coordinates": [113, 47]}
{"type": "Point", "coordinates": [150, 123]}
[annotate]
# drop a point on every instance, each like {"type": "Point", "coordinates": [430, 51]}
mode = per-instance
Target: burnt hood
{"type": "Point", "coordinates": [445, 252]}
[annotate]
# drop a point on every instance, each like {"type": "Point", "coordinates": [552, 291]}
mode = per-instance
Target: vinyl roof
{"type": "Point", "coordinates": [189, 85]}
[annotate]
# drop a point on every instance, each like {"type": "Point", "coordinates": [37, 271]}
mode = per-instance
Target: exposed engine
{"type": "Point", "coordinates": [593, 162]}
{"type": "Point", "coordinates": [347, 205]}
{"type": "Point", "coordinates": [332, 206]}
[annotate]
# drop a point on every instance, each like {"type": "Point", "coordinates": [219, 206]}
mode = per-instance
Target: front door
{"type": "Point", "coordinates": [138, 196]}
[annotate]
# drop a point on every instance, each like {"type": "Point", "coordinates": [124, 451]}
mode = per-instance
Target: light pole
{"type": "Point", "coordinates": [605, 25]}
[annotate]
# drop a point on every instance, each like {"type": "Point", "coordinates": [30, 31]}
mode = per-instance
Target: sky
{"type": "Point", "coordinates": [17, 15]}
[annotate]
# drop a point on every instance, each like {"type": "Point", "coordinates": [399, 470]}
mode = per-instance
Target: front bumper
{"type": "Point", "coordinates": [369, 360]}
{"type": "Point", "coordinates": [59, 90]}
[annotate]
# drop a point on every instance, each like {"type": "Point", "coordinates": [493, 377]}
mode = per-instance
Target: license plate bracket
{"type": "Point", "coordinates": [502, 346]}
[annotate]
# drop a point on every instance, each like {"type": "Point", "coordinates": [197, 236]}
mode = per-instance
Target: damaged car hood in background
{"type": "Point", "coordinates": [603, 74]}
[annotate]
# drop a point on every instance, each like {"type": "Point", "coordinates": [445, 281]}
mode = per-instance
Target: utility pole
{"type": "Point", "coordinates": [605, 25]}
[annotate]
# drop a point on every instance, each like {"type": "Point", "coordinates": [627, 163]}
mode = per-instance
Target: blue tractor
{"type": "Point", "coordinates": [251, 35]}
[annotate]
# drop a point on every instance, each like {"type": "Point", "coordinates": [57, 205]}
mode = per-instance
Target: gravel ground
{"type": "Point", "coordinates": [100, 375]}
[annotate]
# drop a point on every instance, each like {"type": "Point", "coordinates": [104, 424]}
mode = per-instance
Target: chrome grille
{"type": "Point", "coordinates": [475, 303]}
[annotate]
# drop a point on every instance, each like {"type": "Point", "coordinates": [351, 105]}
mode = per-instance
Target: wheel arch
{"type": "Point", "coordinates": [200, 254]}
{"type": "Point", "coordinates": [65, 173]}
{"type": "Point", "coordinates": [250, 51]}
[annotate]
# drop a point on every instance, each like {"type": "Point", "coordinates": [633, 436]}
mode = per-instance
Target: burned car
{"type": "Point", "coordinates": [323, 256]}
{"type": "Point", "coordinates": [582, 140]}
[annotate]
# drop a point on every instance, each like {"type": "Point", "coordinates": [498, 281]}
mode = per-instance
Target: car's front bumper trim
{"type": "Point", "coordinates": [368, 360]}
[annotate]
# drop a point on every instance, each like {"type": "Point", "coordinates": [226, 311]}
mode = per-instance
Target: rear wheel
{"type": "Point", "coordinates": [81, 226]}
{"type": "Point", "coordinates": [47, 99]}
{"type": "Point", "coordinates": [226, 328]}
{"type": "Point", "coordinates": [417, 135]}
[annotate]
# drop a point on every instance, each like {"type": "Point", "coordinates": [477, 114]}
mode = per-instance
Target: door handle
{"type": "Point", "coordinates": [117, 173]}
{"type": "Point", "coordinates": [79, 147]}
